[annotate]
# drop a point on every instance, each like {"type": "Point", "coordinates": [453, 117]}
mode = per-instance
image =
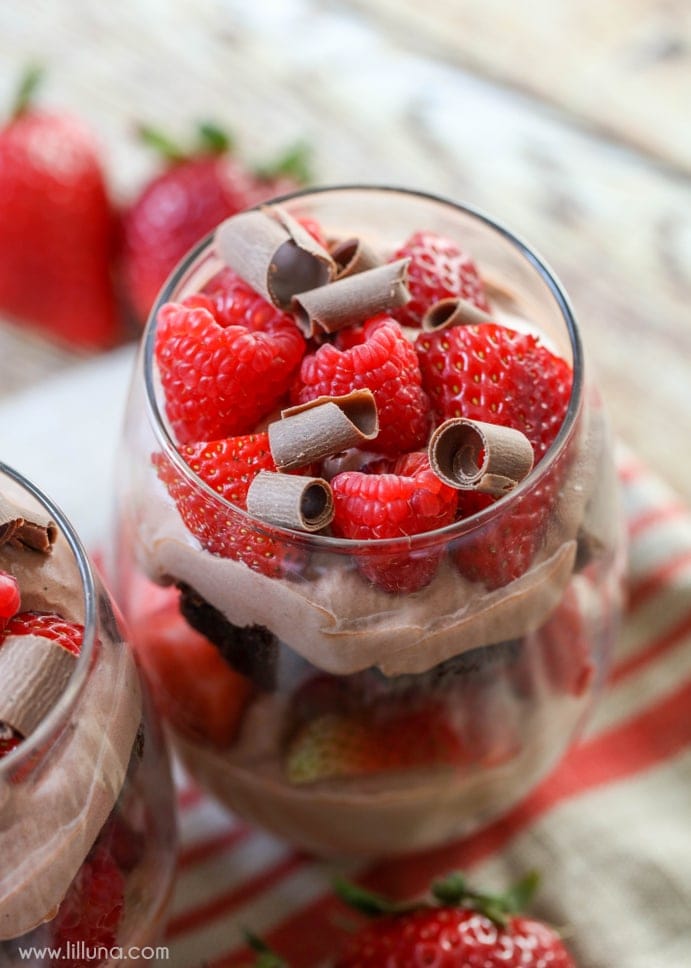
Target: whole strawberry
{"type": "Point", "coordinates": [184, 202]}
{"type": "Point", "coordinates": [57, 227]}
{"type": "Point", "coordinates": [458, 928]}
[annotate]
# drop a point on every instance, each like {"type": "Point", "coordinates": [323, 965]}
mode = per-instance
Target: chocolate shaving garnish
{"type": "Point", "coordinates": [34, 671]}
{"type": "Point", "coordinates": [290, 500]}
{"type": "Point", "coordinates": [25, 528]}
{"type": "Point", "coordinates": [274, 253]}
{"type": "Point", "coordinates": [472, 455]}
{"type": "Point", "coordinates": [352, 299]}
{"type": "Point", "coordinates": [453, 311]}
{"type": "Point", "coordinates": [353, 256]}
{"type": "Point", "coordinates": [323, 426]}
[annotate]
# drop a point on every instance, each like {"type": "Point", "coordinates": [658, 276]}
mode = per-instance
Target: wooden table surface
{"type": "Point", "coordinates": [568, 120]}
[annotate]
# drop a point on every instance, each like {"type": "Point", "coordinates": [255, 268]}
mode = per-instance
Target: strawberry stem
{"type": "Point", "coordinates": [294, 162]}
{"type": "Point", "coordinates": [453, 890]}
{"type": "Point", "coordinates": [161, 143]}
{"type": "Point", "coordinates": [212, 139]}
{"type": "Point", "coordinates": [367, 902]}
{"type": "Point", "coordinates": [266, 957]}
{"type": "Point", "coordinates": [29, 82]}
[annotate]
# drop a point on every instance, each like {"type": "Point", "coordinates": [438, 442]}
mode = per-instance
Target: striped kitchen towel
{"type": "Point", "coordinates": [610, 829]}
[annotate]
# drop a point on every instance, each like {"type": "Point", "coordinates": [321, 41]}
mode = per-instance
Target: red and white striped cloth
{"type": "Point", "coordinates": [610, 829]}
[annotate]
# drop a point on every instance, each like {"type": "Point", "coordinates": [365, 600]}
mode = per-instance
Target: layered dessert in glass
{"type": "Point", "coordinates": [87, 830]}
{"type": "Point", "coordinates": [368, 534]}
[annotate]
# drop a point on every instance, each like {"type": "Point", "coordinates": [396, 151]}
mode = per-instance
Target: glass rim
{"type": "Point", "coordinates": [70, 695]}
{"type": "Point", "coordinates": [328, 542]}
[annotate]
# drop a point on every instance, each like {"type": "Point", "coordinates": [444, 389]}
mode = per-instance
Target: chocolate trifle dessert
{"type": "Point", "coordinates": [368, 531]}
{"type": "Point", "coordinates": [86, 816]}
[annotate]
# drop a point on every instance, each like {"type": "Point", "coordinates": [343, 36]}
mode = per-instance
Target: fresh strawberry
{"type": "Point", "coordinates": [565, 648]}
{"type": "Point", "coordinates": [198, 692]}
{"type": "Point", "coordinates": [408, 501]}
{"type": "Point", "coordinates": [228, 467]}
{"type": "Point", "coordinates": [494, 374]}
{"type": "Point", "coordinates": [386, 363]}
{"type": "Point", "coordinates": [221, 377]}
{"type": "Point", "coordinates": [457, 928]}
{"type": "Point", "coordinates": [187, 200]}
{"type": "Point", "coordinates": [438, 269]}
{"type": "Point", "coordinates": [48, 625]}
{"type": "Point", "coordinates": [345, 745]}
{"type": "Point", "coordinates": [90, 913]}
{"type": "Point", "coordinates": [10, 598]}
{"type": "Point", "coordinates": [57, 227]}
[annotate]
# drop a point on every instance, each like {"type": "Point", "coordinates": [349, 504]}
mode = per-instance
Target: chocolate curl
{"type": "Point", "coordinates": [352, 299]}
{"type": "Point", "coordinates": [322, 427]}
{"type": "Point", "coordinates": [272, 252]}
{"type": "Point", "coordinates": [454, 311]}
{"type": "Point", "coordinates": [472, 455]}
{"type": "Point", "coordinates": [17, 527]}
{"type": "Point", "coordinates": [292, 501]}
{"type": "Point", "coordinates": [353, 256]}
{"type": "Point", "coordinates": [33, 674]}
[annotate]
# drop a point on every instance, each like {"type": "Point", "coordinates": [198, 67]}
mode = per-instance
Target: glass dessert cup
{"type": "Point", "coordinates": [323, 694]}
{"type": "Point", "coordinates": [87, 827]}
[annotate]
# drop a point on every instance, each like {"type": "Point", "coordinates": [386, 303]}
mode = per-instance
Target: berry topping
{"type": "Point", "coordinates": [68, 635]}
{"type": "Point", "coordinates": [225, 362]}
{"type": "Point", "coordinates": [10, 597]}
{"type": "Point", "coordinates": [228, 467]}
{"type": "Point", "coordinates": [497, 375]}
{"type": "Point", "coordinates": [384, 362]}
{"type": "Point", "coordinates": [9, 739]}
{"type": "Point", "coordinates": [459, 927]}
{"type": "Point", "coordinates": [438, 269]}
{"type": "Point", "coordinates": [91, 910]}
{"type": "Point", "coordinates": [409, 500]}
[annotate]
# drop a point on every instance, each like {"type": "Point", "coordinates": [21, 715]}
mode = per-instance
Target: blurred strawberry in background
{"type": "Point", "coordinates": [57, 226]}
{"type": "Point", "coordinates": [195, 191]}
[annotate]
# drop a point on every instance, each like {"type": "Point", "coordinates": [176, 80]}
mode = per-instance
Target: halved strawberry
{"type": "Point", "coordinates": [197, 691]}
{"type": "Point", "coordinates": [49, 625]}
{"type": "Point", "coordinates": [345, 745]}
{"type": "Point", "coordinates": [10, 597]}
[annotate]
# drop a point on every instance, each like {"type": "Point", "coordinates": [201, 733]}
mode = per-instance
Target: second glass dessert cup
{"type": "Point", "coordinates": [87, 824]}
{"type": "Point", "coordinates": [375, 696]}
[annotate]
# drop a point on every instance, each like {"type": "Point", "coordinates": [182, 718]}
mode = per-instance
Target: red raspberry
{"type": "Point", "coordinates": [498, 375]}
{"type": "Point", "coordinates": [10, 598]}
{"type": "Point", "coordinates": [438, 270]}
{"type": "Point", "coordinates": [69, 635]}
{"type": "Point", "coordinates": [228, 467]}
{"type": "Point", "coordinates": [91, 910]}
{"type": "Point", "coordinates": [225, 361]}
{"type": "Point", "coordinates": [408, 501]}
{"type": "Point", "coordinates": [386, 363]}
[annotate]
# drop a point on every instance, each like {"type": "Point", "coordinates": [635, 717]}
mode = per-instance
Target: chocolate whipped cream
{"type": "Point", "coordinates": [52, 810]}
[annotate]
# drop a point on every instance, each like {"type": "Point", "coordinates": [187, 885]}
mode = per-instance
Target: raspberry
{"type": "Point", "coordinates": [408, 501]}
{"type": "Point", "coordinates": [10, 598]}
{"type": "Point", "coordinates": [225, 361]}
{"type": "Point", "coordinates": [386, 363]}
{"type": "Point", "coordinates": [69, 635]}
{"type": "Point", "coordinates": [438, 269]}
{"type": "Point", "coordinates": [228, 467]}
{"type": "Point", "coordinates": [91, 910]}
{"type": "Point", "coordinates": [497, 375]}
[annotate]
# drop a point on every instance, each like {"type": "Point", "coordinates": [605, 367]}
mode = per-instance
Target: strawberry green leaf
{"type": "Point", "coordinates": [295, 163]}
{"type": "Point", "coordinates": [213, 139]}
{"type": "Point", "coordinates": [367, 902]}
{"type": "Point", "coordinates": [161, 143]}
{"type": "Point", "coordinates": [29, 83]}
{"type": "Point", "coordinates": [266, 958]}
